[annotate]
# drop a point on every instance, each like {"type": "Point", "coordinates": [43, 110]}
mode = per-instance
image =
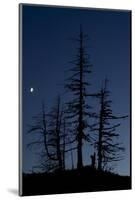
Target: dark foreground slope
{"type": "Point", "coordinates": [71, 181]}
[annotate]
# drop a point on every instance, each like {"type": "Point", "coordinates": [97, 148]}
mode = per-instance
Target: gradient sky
{"type": "Point", "coordinates": [47, 49]}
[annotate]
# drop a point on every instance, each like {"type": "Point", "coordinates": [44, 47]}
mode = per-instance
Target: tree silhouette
{"type": "Point", "coordinates": [56, 136]}
{"type": "Point", "coordinates": [48, 127]}
{"type": "Point", "coordinates": [52, 137]}
{"type": "Point", "coordinates": [39, 127]}
{"type": "Point", "coordinates": [107, 143]}
{"type": "Point", "coordinates": [78, 109]}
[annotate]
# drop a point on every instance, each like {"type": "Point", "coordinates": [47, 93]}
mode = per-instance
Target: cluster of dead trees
{"type": "Point", "coordinates": [67, 127]}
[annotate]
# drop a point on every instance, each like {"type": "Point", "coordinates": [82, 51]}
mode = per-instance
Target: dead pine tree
{"type": "Point", "coordinates": [50, 139]}
{"type": "Point", "coordinates": [108, 147]}
{"type": "Point", "coordinates": [38, 131]}
{"type": "Point", "coordinates": [77, 84]}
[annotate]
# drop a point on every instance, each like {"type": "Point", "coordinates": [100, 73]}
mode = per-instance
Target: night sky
{"type": "Point", "coordinates": [47, 50]}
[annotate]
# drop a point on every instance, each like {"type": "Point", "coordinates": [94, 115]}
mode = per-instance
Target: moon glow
{"type": "Point", "coordinates": [31, 89]}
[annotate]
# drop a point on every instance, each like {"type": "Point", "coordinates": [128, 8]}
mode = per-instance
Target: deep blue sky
{"type": "Point", "coordinates": [47, 51]}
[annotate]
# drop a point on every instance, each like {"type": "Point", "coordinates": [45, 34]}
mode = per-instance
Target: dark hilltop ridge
{"type": "Point", "coordinates": [71, 181]}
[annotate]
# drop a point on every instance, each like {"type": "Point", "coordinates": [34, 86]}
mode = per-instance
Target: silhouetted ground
{"type": "Point", "coordinates": [71, 181]}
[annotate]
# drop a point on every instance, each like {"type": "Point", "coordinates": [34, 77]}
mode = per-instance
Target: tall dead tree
{"type": "Point", "coordinates": [77, 83]}
{"type": "Point", "coordinates": [107, 144]}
